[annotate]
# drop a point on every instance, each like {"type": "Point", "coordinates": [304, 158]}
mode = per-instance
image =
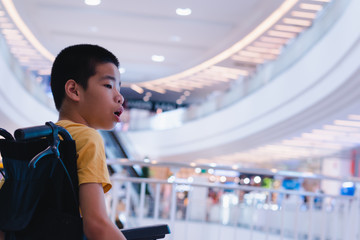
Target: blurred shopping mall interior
{"type": "Point", "coordinates": [248, 93]}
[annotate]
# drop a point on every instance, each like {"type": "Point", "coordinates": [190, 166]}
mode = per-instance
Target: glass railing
{"type": "Point", "coordinates": [255, 204]}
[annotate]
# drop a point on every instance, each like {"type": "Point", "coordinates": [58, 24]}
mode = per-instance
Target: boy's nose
{"type": "Point", "coordinates": [121, 99]}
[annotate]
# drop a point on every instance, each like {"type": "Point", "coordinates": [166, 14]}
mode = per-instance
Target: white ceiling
{"type": "Point", "coordinates": [135, 30]}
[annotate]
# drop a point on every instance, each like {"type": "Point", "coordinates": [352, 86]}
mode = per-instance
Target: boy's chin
{"type": "Point", "coordinates": [106, 127]}
{"type": "Point", "coordinates": [110, 127]}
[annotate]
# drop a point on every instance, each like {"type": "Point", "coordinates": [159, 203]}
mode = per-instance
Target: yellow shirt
{"type": "Point", "coordinates": [91, 162]}
{"type": "Point", "coordinates": [2, 180]}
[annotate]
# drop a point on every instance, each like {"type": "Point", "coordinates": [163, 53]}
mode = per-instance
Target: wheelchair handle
{"type": "Point", "coordinates": [39, 132]}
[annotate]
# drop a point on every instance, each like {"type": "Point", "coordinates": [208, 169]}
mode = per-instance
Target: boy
{"type": "Point", "coordinates": [85, 82]}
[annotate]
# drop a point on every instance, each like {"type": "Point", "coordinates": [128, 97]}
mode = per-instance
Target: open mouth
{"type": "Point", "coordinates": [117, 113]}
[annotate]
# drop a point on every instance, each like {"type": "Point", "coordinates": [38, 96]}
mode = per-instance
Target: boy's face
{"type": "Point", "coordinates": [100, 105]}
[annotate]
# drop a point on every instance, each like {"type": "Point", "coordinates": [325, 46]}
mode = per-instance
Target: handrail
{"type": "Point", "coordinates": [271, 172]}
{"type": "Point", "coordinates": [230, 187]}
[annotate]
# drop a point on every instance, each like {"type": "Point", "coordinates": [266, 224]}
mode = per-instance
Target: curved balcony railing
{"type": "Point", "coordinates": [22, 101]}
{"type": "Point", "coordinates": [265, 74]}
{"type": "Point", "coordinates": [199, 209]}
{"type": "Point", "coordinates": [25, 77]}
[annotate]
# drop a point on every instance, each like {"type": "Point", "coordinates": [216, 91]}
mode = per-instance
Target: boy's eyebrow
{"type": "Point", "coordinates": [108, 77]}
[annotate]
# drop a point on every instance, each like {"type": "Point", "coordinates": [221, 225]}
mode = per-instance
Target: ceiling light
{"type": "Point", "coordinates": [23, 50]}
{"type": "Point", "coordinates": [6, 25]}
{"type": "Point", "coordinates": [313, 136]}
{"type": "Point", "coordinates": [314, 7]}
{"type": "Point", "coordinates": [256, 55]}
{"type": "Point", "coordinates": [175, 38]}
{"type": "Point", "coordinates": [4, 19]}
{"type": "Point", "coordinates": [155, 88]}
{"type": "Point", "coordinates": [122, 70]}
{"type": "Point", "coordinates": [340, 128]}
{"type": "Point", "coordinates": [20, 42]}
{"type": "Point", "coordinates": [187, 93]}
{"type": "Point", "coordinates": [146, 99]}
{"type": "Point", "coordinates": [218, 76]}
{"type": "Point", "coordinates": [247, 59]}
{"type": "Point", "coordinates": [193, 82]}
{"type": "Point", "coordinates": [274, 33]}
{"type": "Point", "coordinates": [179, 86]}
{"type": "Point", "coordinates": [226, 69]}
{"type": "Point", "coordinates": [13, 37]}
{"type": "Point", "coordinates": [92, 2]}
{"type": "Point", "coordinates": [197, 82]}
{"type": "Point", "coordinates": [293, 21]}
{"type": "Point", "coordinates": [347, 123]}
{"type": "Point", "coordinates": [44, 72]}
{"type": "Point", "coordinates": [157, 58]}
{"type": "Point", "coordinates": [93, 29]}
{"type": "Point", "coordinates": [354, 117]}
{"type": "Point", "coordinates": [274, 40]}
{"type": "Point", "coordinates": [183, 11]}
{"type": "Point", "coordinates": [289, 28]}
{"type": "Point", "coordinates": [327, 132]}
{"type": "Point", "coordinates": [303, 14]}
{"type": "Point", "coordinates": [174, 89]}
{"type": "Point", "coordinates": [24, 59]}
{"type": "Point", "coordinates": [136, 88]}
{"type": "Point", "coordinates": [267, 45]}
{"type": "Point", "coordinates": [10, 32]}
{"type": "Point", "coordinates": [263, 50]}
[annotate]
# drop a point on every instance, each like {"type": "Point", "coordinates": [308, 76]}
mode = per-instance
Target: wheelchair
{"type": "Point", "coordinates": [39, 198]}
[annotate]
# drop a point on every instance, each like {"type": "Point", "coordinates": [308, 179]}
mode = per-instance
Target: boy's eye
{"type": "Point", "coordinates": [108, 86]}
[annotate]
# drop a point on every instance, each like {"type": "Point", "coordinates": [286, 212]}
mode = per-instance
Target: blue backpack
{"type": "Point", "coordinates": [39, 198]}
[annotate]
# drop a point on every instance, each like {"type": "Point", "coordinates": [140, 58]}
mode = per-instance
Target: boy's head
{"type": "Point", "coordinates": [77, 62]}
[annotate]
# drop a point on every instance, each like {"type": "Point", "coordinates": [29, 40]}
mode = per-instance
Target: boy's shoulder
{"type": "Point", "coordinates": [80, 131]}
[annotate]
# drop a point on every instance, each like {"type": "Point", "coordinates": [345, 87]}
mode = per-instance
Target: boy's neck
{"type": "Point", "coordinates": [71, 117]}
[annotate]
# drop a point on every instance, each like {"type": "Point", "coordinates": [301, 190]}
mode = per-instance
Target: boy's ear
{"type": "Point", "coordinates": [72, 90]}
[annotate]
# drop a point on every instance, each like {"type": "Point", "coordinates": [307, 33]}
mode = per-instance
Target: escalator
{"type": "Point", "coordinates": [114, 149]}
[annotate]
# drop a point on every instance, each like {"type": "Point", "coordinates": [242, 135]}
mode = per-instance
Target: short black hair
{"type": "Point", "coordinates": [77, 62]}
